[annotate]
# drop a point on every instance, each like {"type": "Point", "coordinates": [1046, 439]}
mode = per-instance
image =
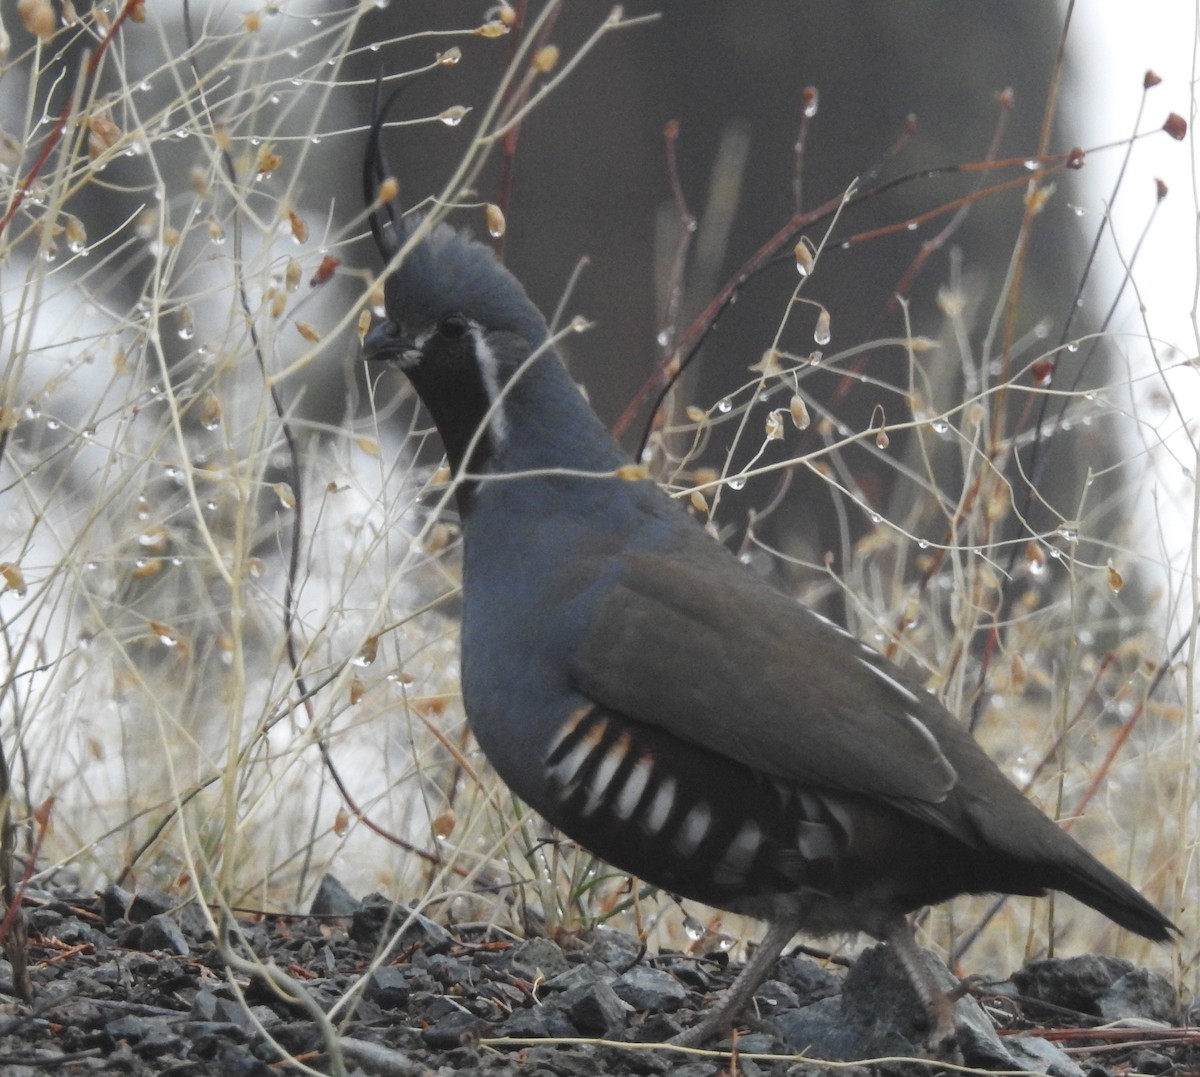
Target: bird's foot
{"type": "Point", "coordinates": [722, 1016]}
{"type": "Point", "coordinates": [942, 1041]}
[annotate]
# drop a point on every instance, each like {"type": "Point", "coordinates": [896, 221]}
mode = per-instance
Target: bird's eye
{"type": "Point", "coordinates": [453, 327]}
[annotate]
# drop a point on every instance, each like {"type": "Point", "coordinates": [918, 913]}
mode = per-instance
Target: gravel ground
{"type": "Point", "coordinates": [134, 984]}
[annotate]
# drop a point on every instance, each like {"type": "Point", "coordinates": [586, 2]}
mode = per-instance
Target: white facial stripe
{"type": "Point", "coordinates": [489, 370]}
{"type": "Point", "coordinates": [412, 355]}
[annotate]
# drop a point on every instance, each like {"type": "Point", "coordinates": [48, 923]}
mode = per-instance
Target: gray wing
{"type": "Point", "coordinates": [717, 657]}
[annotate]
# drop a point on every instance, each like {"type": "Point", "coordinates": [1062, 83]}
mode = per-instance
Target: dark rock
{"type": "Point", "coordinates": [121, 1059]}
{"type": "Point", "coordinates": [593, 1009]}
{"type": "Point", "coordinates": [567, 1063]}
{"type": "Point", "coordinates": [461, 1060]}
{"type": "Point", "coordinates": [580, 976]}
{"type": "Point", "coordinates": [297, 1037]}
{"type": "Point", "coordinates": [538, 958]}
{"type": "Point", "coordinates": [204, 1006]}
{"type": "Point", "coordinates": [809, 980]}
{"type": "Point", "coordinates": [656, 1028]}
{"type": "Point", "coordinates": [114, 975]}
{"type": "Point", "coordinates": [159, 1042]}
{"type": "Point", "coordinates": [236, 1060]}
{"type": "Point", "coordinates": [696, 1069]}
{"type": "Point", "coordinates": [161, 932]}
{"type": "Point", "coordinates": [1073, 983]}
{"type": "Point", "coordinates": [194, 921]}
{"type": "Point", "coordinates": [333, 899]}
{"type": "Point", "coordinates": [209, 1036]}
{"type": "Point", "coordinates": [113, 902]}
{"type": "Point", "coordinates": [541, 1022]}
{"type": "Point", "coordinates": [265, 1016]}
{"type": "Point", "coordinates": [508, 994]}
{"type": "Point", "coordinates": [130, 937]}
{"type": "Point", "coordinates": [1140, 993]}
{"type": "Point", "coordinates": [127, 1028]}
{"type": "Point", "coordinates": [229, 1011]}
{"type": "Point", "coordinates": [617, 1061]}
{"type": "Point", "coordinates": [141, 964]}
{"type": "Point", "coordinates": [376, 1059]}
{"type": "Point", "coordinates": [175, 978]}
{"type": "Point", "coordinates": [750, 1068]}
{"type": "Point", "coordinates": [613, 947]}
{"type": "Point", "coordinates": [1041, 1056]}
{"type": "Point", "coordinates": [752, 1043]}
{"type": "Point", "coordinates": [451, 971]}
{"type": "Point", "coordinates": [1151, 1062]}
{"type": "Point", "coordinates": [774, 995]}
{"type": "Point", "coordinates": [257, 935]}
{"type": "Point", "coordinates": [433, 1009]}
{"type": "Point", "coordinates": [377, 918]}
{"type": "Point", "coordinates": [148, 903]}
{"type": "Point", "coordinates": [650, 990]}
{"type": "Point", "coordinates": [75, 932]}
{"type": "Point", "coordinates": [388, 988]}
{"type": "Point", "coordinates": [44, 921]}
{"type": "Point", "coordinates": [454, 1030]}
{"type": "Point", "coordinates": [819, 1029]}
{"type": "Point", "coordinates": [689, 970]}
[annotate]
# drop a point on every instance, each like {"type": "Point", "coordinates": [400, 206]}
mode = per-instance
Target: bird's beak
{"type": "Point", "coordinates": [386, 342]}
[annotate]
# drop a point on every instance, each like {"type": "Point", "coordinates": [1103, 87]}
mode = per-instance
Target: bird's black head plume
{"type": "Point", "coordinates": [448, 273]}
{"type": "Point", "coordinates": [386, 227]}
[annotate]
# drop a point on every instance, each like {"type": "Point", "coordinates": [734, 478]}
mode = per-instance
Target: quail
{"type": "Point", "coordinates": [661, 704]}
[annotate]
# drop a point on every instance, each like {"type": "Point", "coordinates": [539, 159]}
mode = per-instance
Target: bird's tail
{"type": "Point", "coordinates": [1087, 880]}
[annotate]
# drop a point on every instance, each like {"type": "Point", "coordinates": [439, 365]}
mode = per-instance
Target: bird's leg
{"type": "Point", "coordinates": [719, 1021]}
{"type": "Point", "coordinates": [898, 934]}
